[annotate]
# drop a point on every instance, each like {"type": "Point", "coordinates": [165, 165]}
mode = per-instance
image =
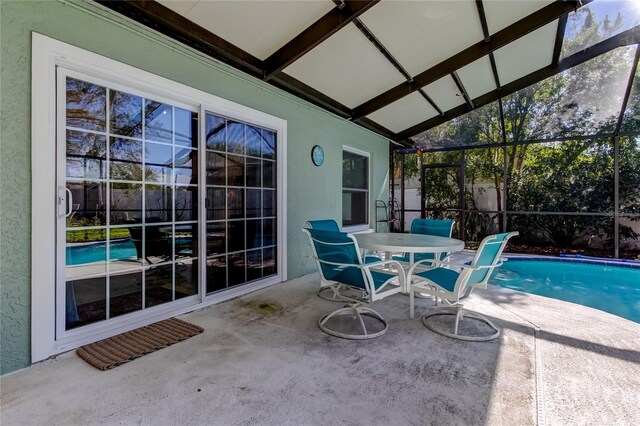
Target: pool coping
{"type": "Point", "coordinates": [630, 264]}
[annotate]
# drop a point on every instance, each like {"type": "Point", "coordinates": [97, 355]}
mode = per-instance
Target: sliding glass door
{"type": "Point", "coordinates": [127, 171]}
{"type": "Point", "coordinates": [145, 223]}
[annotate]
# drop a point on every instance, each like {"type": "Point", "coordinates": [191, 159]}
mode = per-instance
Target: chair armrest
{"type": "Point", "coordinates": [350, 265]}
{"type": "Point", "coordinates": [455, 265]}
{"type": "Point", "coordinates": [355, 265]}
{"type": "Point", "coordinates": [367, 267]}
{"type": "Point", "coordinates": [383, 262]}
{"type": "Point", "coordinates": [440, 262]}
{"type": "Point", "coordinates": [401, 275]}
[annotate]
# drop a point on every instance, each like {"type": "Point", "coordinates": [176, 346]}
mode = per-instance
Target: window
{"type": "Point", "coordinates": [355, 187]}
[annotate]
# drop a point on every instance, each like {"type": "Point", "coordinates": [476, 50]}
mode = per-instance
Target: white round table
{"type": "Point", "coordinates": [408, 243]}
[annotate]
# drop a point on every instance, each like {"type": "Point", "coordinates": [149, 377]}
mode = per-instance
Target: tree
{"type": "Point", "coordinates": [570, 176]}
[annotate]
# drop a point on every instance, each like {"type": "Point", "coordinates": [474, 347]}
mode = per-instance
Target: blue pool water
{"type": "Point", "coordinates": [88, 253]}
{"type": "Point", "coordinates": [613, 289]}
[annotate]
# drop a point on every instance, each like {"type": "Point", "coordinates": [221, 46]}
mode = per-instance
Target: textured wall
{"type": "Point", "coordinates": [313, 192]}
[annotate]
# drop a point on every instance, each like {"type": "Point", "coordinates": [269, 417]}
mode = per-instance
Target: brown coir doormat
{"type": "Point", "coordinates": [114, 351]}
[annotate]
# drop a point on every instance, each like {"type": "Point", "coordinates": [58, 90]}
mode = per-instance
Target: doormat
{"type": "Point", "coordinates": [117, 350]}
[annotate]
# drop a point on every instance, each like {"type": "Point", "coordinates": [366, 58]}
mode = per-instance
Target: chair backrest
{"type": "Point", "coordinates": [157, 243]}
{"type": "Point", "coordinates": [324, 225]}
{"type": "Point", "coordinates": [338, 258]}
{"type": "Point", "coordinates": [487, 255]}
{"type": "Point", "coordinates": [437, 227]}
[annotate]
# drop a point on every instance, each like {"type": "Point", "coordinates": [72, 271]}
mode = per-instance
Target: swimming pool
{"type": "Point", "coordinates": [601, 285]}
{"type": "Point", "coordinates": [81, 254]}
{"type": "Point", "coordinates": [89, 253]}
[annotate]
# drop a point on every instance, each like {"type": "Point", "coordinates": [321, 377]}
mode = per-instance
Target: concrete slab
{"type": "Point", "coordinates": [263, 360]}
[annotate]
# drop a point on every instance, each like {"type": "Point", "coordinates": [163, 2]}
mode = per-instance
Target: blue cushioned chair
{"type": "Point", "coordinates": [332, 292]}
{"type": "Point", "coordinates": [324, 225]}
{"type": "Point", "coordinates": [339, 262]}
{"type": "Point", "coordinates": [452, 286]}
{"type": "Point", "coordinates": [437, 227]}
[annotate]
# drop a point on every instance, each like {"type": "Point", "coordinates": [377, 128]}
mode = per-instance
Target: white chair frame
{"type": "Point", "coordinates": [355, 306]}
{"type": "Point", "coordinates": [461, 290]}
{"type": "Point", "coordinates": [334, 292]}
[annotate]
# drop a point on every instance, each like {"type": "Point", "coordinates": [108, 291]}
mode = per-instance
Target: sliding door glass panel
{"type": "Point", "coordinates": [132, 222]}
{"type": "Point", "coordinates": [241, 202]}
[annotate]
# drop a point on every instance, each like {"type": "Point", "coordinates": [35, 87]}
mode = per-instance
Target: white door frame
{"type": "Point", "coordinates": [101, 327]}
{"type": "Point", "coordinates": [49, 54]}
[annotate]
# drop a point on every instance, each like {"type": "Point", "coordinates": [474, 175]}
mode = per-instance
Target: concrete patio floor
{"type": "Point", "coordinates": [555, 363]}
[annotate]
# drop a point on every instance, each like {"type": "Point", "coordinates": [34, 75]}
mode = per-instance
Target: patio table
{"type": "Point", "coordinates": [408, 243]}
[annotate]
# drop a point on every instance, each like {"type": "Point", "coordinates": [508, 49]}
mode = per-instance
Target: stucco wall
{"type": "Point", "coordinates": [313, 192]}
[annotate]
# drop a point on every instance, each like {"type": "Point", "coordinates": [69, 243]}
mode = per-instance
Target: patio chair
{"type": "Point", "coordinates": [339, 262]}
{"type": "Point", "coordinates": [157, 247]}
{"type": "Point", "coordinates": [157, 243]}
{"type": "Point", "coordinates": [452, 286]}
{"type": "Point", "coordinates": [324, 225]}
{"type": "Point", "coordinates": [331, 291]}
{"type": "Point", "coordinates": [437, 227]}
{"type": "Point", "coordinates": [329, 225]}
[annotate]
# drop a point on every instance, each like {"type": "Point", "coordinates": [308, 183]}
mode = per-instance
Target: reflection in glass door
{"type": "Point", "coordinates": [241, 179]}
{"type": "Point", "coordinates": [127, 171]}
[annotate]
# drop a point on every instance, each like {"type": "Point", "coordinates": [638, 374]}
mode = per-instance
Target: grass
{"type": "Point", "coordinates": [94, 235]}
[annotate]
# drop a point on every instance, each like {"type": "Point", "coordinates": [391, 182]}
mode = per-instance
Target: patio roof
{"type": "Point", "coordinates": [395, 67]}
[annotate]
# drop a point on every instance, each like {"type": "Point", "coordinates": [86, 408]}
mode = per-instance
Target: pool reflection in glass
{"type": "Point", "coordinates": [131, 168]}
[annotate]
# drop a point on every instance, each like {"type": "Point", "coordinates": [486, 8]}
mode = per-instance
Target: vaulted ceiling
{"type": "Point", "coordinates": [395, 67]}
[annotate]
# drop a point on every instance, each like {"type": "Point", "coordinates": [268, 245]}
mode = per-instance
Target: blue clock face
{"type": "Point", "coordinates": [317, 155]}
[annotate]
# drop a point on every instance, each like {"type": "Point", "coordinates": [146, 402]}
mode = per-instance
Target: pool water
{"type": "Point", "coordinates": [613, 289]}
{"type": "Point", "coordinates": [89, 253]}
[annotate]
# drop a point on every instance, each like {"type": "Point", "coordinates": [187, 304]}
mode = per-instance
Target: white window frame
{"type": "Point", "coordinates": [49, 54]}
{"type": "Point", "coordinates": [364, 226]}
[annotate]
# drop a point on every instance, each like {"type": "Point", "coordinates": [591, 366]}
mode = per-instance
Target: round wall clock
{"type": "Point", "coordinates": [317, 155]}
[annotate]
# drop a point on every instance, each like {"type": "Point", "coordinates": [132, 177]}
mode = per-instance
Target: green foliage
{"type": "Point", "coordinates": [569, 176]}
{"type": "Point", "coordinates": [94, 234]}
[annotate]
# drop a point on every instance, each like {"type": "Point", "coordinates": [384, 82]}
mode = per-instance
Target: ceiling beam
{"type": "Point", "coordinates": [527, 142]}
{"type": "Point", "coordinates": [431, 101]}
{"type": "Point", "coordinates": [557, 47]}
{"type": "Point", "coordinates": [494, 70]}
{"type": "Point", "coordinates": [319, 31]}
{"type": "Point", "coordinates": [392, 60]}
{"type": "Point", "coordinates": [483, 21]}
{"type": "Point", "coordinates": [378, 45]}
{"type": "Point", "coordinates": [487, 38]}
{"type": "Point", "coordinates": [164, 20]}
{"type": "Point", "coordinates": [500, 39]}
{"type": "Point", "coordinates": [463, 91]}
{"type": "Point", "coordinates": [309, 94]}
{"type": "Point", "coordinates": [626, 38]}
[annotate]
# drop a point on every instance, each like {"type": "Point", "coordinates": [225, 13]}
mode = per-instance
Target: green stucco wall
{"type": "Point", "coordinates": [313, 192]}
